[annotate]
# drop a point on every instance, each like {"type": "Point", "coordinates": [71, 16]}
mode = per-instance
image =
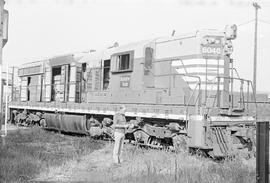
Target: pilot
{"type": "Point", "coordinates": [120, 126]}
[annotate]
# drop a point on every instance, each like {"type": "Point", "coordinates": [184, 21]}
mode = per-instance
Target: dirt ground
{"type": "Point", "coordinates": [95, 163]}
{"type": "Point", "coordinates": [99, 167]}
{"type": "Point", "coordinates": [94, 167]}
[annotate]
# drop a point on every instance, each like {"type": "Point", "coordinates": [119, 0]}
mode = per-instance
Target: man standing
{"type": "Point", "coordinates": [120, 125]}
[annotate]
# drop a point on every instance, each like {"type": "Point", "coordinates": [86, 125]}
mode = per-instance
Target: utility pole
{"type": "Point", "coordinates": [12, 84]}
{"type": "Point", "coordinates": [2, 2]}
{"type": "Point", "coordinates": [3, 41]}
{"type": "Point", "coordinates": [256, 6]}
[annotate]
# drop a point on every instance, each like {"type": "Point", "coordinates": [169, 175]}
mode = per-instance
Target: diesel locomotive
{"type": "Point", "coordinates": [177, 90]}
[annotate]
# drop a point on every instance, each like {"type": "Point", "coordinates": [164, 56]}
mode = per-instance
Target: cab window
{"type": "Point", "coordinates": [123, 62]}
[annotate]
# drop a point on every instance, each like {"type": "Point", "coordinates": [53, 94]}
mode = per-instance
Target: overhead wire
{"type": "Point", "coordinates": [245, 23]}
{"type": "Point", "coordinates": [263, 21]}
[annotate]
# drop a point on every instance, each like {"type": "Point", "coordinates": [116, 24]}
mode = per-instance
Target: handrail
{"type": "Point", "coordinates": [236, 72]}
{"type": "Point", "coordinates": [184, 75]}
{"type": "Point", "coordinates": [215, 95]}
{"type": "Point", "coordinates": [198, 97]}
{"type": "Point", "coordinates": [44, 86]}
{"type": "Point", "coordinates": [249, 83]}
{"type": "Point", "coordinates": [198, 84]}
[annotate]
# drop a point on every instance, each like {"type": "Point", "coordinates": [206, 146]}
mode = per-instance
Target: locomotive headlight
{"type": "Point", "coordinates": [210, 40]}
{"type": "Point", "coordinates": [204, 41]}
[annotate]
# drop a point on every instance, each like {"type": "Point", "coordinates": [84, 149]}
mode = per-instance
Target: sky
{"type": "Point", "coordinates": [42, 28]}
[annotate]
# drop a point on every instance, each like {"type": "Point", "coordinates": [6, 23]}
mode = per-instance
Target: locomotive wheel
{"type": "Point", "coordinates": [141, 138]}
{"type": "Point", "coordinates": [155, 143]}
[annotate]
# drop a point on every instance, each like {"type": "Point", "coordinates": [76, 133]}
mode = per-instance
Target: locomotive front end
{"type": "Point", "coordinates": [224, 123]}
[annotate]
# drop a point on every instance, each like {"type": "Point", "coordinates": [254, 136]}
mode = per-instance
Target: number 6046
{"type": "Point", "coordinates": [211, 50]}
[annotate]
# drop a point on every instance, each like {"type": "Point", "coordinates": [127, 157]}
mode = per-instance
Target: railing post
{"type": "Point", "coordinates": [247, 104]}
{"type": "Point", "coordinates": [218, 94]}
{"type": "Point", "coordinates": [200, 99]}
{"type": "Point", "coordinates": [262, 152]}
{"type": "Point", "coordinates": [242, 97]}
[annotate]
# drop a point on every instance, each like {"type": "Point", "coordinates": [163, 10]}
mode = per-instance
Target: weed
{"type": "Point", "coordinates": [160, 166]}
{"type": "Point", "coordinates": [28, 152]}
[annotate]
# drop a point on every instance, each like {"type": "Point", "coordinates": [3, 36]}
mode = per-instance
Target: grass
{"type": "Point", "coordinates": [29, 153]}
{"type": "Point", "coordinates": [153, 166]}
{"type": "Point", "coordinates": [26, 153]}
{"type": "Point", "coordinates": [263, 111]}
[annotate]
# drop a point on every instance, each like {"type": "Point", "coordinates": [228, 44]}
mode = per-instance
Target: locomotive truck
{"type": "Point", "coordinates": [177, 90]}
